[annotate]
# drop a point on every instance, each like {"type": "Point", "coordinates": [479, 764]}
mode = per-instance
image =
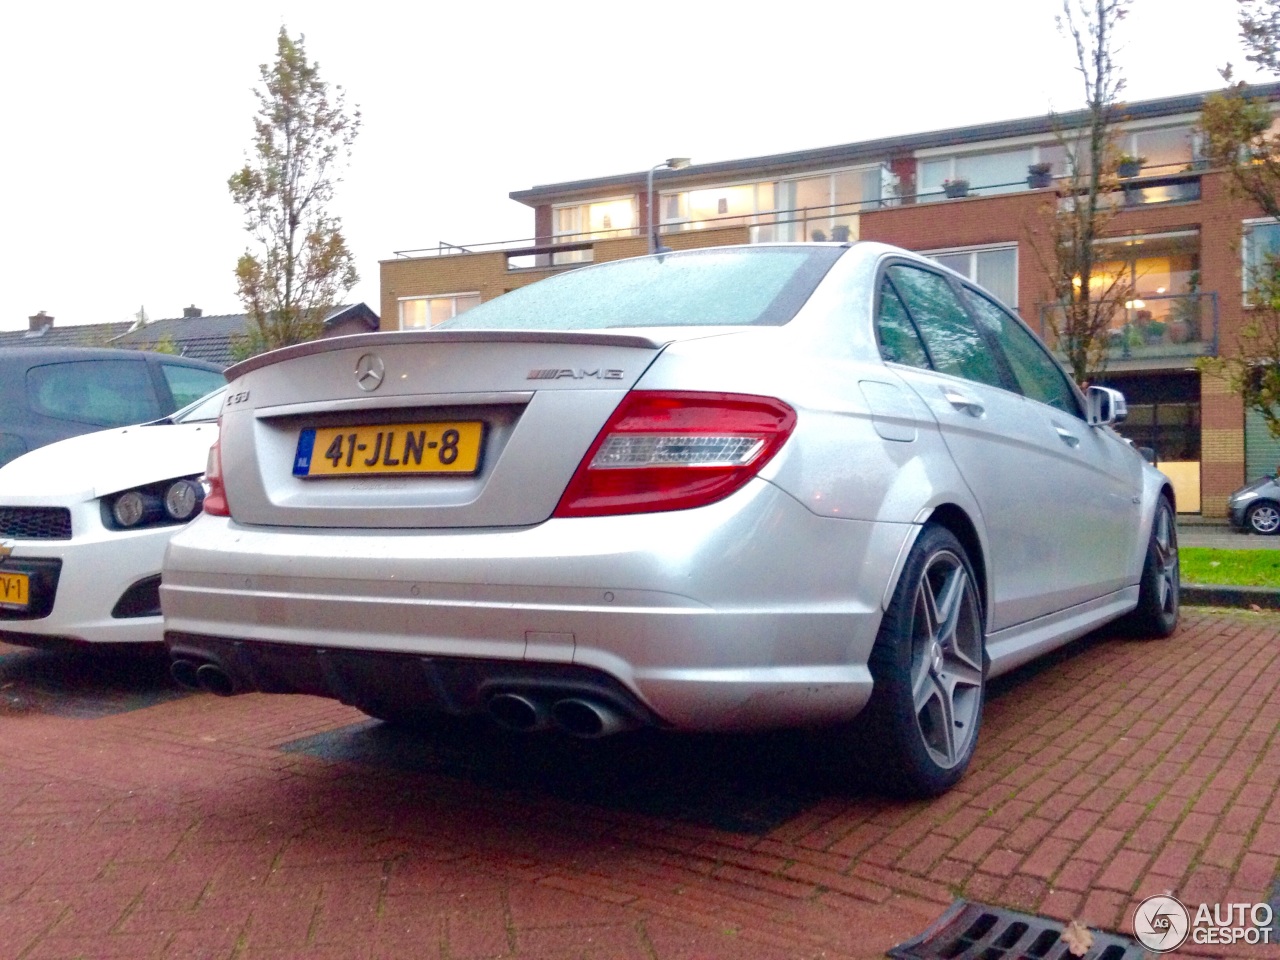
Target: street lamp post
{"type": "Point", "coordinates": [674, 163]}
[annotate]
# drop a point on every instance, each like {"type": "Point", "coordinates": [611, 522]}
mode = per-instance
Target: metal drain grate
{"type": "Point", "coordinates": [975, 931]}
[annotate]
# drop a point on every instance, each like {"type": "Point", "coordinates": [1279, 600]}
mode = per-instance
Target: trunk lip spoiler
{"type": "Point", "coordinates": [389, 338]}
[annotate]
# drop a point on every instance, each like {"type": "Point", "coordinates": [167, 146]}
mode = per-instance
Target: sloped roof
{"type": "Point", "coordinates": [85, 335]}
{"type": "Point", "coordinates": [202, 338]}
{"type": "Point", "coordinates": [211, 338]}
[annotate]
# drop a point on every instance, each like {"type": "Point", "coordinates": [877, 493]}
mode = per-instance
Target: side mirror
{"type": "Point", "coordinates": [1106, 406]}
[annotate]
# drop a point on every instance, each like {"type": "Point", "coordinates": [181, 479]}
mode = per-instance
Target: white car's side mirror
{"type": "Point", "coordinates": [1106, 406]}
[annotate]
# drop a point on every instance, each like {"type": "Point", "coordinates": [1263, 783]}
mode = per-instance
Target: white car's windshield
{"type": "Point", "coordinates": [206, 408]}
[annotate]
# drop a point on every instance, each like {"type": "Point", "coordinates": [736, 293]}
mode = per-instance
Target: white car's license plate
{"type": "Point", "coordinates": [15, 590]}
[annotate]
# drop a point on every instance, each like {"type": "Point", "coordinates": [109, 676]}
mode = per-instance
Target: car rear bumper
{"type": "Point", "coordinates": [749, 613]}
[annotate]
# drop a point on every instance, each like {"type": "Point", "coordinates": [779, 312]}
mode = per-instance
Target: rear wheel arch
{"type": "Point", "coordinates": [956, 520]}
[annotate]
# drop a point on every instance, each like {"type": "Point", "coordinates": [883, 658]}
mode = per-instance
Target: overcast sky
{"type": "Point", "coordinates": [126, 119]}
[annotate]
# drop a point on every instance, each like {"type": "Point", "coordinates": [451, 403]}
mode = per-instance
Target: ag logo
{"type": "Point", "coordinates": [1161, 923]}
{"type": "Point", "coordinates": [370, 372]}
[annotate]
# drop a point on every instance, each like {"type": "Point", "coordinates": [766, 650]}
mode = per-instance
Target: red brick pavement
{"type": "Point", "coordinates": [184, 831]}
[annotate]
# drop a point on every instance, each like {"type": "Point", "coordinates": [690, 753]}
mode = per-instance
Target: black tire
{"type": "Point", "coordinates": [1157, 612]}
{"type": "Point", "coordinates": [1264, 518]}
{"type": "Point", "coordinates": [919, 731]}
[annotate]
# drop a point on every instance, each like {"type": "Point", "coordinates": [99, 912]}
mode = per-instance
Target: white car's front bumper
{"type": "Point", "coordinates": [749, 613]}
{"type": "Point", "coordinates": [88, 588]}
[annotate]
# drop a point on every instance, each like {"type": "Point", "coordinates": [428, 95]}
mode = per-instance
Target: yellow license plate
{"type": "Point", "coordinates": [420, 448]}
{"type": "Point", "coordinates": [15, 590]}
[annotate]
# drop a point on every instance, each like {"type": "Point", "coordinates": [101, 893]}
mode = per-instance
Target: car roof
{"type": "Point", "coordinates": [36, 355]}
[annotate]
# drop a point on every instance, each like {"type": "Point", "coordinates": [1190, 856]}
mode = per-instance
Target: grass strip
{"type": "Point", "coordinates": [1237, 568]}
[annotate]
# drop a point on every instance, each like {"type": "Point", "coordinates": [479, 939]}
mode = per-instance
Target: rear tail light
{"type": "Point", "coordinates": [215, 500]}
{"type": "Point", "coordinates": [666, 450]}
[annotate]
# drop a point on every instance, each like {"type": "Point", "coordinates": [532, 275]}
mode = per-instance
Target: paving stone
{"type": "Point", "coordinates": [195, 827]}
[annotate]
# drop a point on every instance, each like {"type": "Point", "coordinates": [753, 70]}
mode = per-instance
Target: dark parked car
{"type": "Point", "coordinates": [51, 393]}
{"type": "Point", "coordinates": [1255, 507]}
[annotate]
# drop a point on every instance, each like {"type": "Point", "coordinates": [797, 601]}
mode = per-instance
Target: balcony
{"type": "Point", "coordinates": [1154, 330]}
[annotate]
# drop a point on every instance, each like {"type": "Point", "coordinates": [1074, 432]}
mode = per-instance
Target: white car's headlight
{"type": "Point", "coordinates": [155, 504]}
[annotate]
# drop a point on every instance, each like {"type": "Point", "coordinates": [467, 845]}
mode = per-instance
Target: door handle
{"type": "Point", "coordinates": [1067, 437]}
{"type": "Point", "coordinates": [961, 402]}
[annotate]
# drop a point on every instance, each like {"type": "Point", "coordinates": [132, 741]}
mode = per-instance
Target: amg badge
{"type": "Point", "coordinates": [557, 373]}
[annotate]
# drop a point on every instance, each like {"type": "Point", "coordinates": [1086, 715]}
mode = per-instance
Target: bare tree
{"type": "Point", "coordinates": [301, 267]}
{"type": "Point", "coordinates": [1087, 300]}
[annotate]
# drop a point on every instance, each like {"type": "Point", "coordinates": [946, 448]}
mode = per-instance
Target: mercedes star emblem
{"type": "Point", "coordinates": [370, 372]}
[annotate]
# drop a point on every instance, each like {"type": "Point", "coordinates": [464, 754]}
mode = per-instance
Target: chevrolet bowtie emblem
{"type": "Point", "coordinates": [6, 549]}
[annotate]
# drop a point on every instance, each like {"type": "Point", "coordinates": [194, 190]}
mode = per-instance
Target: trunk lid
{"type": "Point", "coordinates": [523, 408]}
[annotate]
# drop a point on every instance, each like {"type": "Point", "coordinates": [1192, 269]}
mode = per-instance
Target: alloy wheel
{"type": "Point", "coordinates": [946, 659]}
{"type": "Point", "coordinates": [1164, 538]}
{"type": "Point", "coordinates": [1264, 518]}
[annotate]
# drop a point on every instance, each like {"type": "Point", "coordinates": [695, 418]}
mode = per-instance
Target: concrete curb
{"type": "Point", "coordinates": [1209, 595]}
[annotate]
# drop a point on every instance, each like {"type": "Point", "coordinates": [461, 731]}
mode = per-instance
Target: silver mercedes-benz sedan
{"type": "Point", "coordinates": [724, 489]}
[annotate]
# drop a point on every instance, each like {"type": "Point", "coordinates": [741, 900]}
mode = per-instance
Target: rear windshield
{"type": "Point", "coordinates": [702, 288]}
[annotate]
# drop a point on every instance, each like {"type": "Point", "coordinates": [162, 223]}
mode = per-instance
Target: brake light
{"type": "Point", "coordinates": [215, 500]}
{"type": "Point", "coordinates": [667, 450]}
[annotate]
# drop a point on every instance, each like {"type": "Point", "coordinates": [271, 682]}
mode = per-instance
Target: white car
{"type": "Point", "coordinates": [84, 523]}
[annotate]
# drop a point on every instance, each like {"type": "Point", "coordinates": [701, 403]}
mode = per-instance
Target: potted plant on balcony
{"type": "Point", "coordinates": [1039, 175]}
{"type": "Point", "coordinates": [959, 187]}
{"type": "Point", "coordinates": [1128, 166]}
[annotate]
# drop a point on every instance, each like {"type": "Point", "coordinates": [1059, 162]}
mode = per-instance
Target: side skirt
{"type": "Point", "coordinates": [1013, 646]}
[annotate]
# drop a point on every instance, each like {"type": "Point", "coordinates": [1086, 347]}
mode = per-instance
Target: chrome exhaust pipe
{"type": "Point", "coordinates": [214, 679]}
{"type": "Point", "coordinates": [517, 712]}
{"type": "Point", "coordinates": [184, 674]}
{"type": "Point", "coordinates": [589, 719]}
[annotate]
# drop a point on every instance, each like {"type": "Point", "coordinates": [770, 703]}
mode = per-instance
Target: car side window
{"type": "Point", "coordinates": [899, 341]}
{"type": "Point", "coordinates": [954, 343]}
{"type": "Point", "coordinates": [189, 384]}
{"type": "Point", "coordinates": [107, 393]}
{"type": "Point", "coordinates": [1038, 375]}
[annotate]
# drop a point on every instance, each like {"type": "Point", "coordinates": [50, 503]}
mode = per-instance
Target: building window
{"type": "Point", "coordinates": [990, 172]}
{"type": "Point", "coordinates": [1164, 150]}
{"type": "Point", "coordinates": [820, 207]}
{"type": "Point", "coordinates": [598, 220]}
{"type": "Point", "coordinates": [994, 268]}
{"type": "Point", "coordinates": [421, 313]}
{"type": "Point", "coordinates": [1261, 251]}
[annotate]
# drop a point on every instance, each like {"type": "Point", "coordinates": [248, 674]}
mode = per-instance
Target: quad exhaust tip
{"type": "Point", "coordinates": [577, 716]}
{"type": "Point", "coordinates": [209, 677]}
{"type": "Point", "coordinates": [517, 712]}
{"type": "Point", "coordinates": [589, 719]}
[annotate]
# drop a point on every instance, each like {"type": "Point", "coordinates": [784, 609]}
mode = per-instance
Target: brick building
{"type": "Point", "coordinates": [975, 198]}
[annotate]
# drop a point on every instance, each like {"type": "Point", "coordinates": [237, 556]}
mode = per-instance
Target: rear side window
{"type": "Point", "coordinates": [899, 341]}
{"type": "Point", "coordinates": [106, 393]}
{"type": "Point", "coordinates": [704, 288]}
{"type": "Point", "coordinates": [954, 342]}
{"type": "Point", "coordinates": [189, 384]}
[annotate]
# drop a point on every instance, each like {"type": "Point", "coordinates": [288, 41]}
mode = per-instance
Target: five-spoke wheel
{"type": "Point", "coordinates": [928, 666]}
{"type": "Point", "coordinates": [1157, 612]}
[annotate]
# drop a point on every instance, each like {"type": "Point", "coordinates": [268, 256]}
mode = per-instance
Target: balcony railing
{"type": "Point", "coordinates": [1153, 185]}
{"type": "Point", "coordinates": [1167, 326]}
